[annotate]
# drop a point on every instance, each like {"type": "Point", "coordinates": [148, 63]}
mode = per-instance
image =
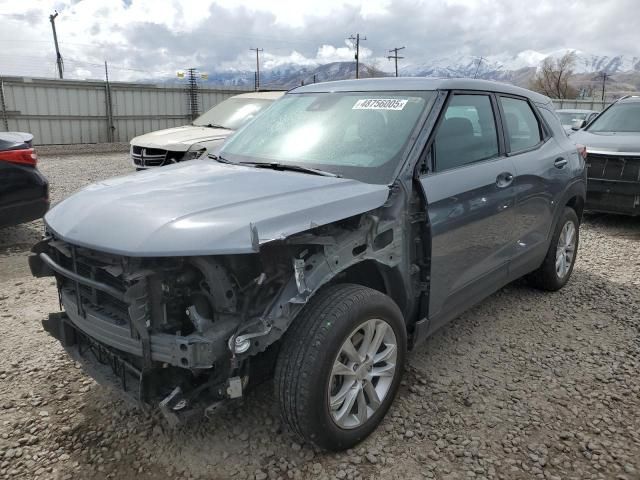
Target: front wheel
{"type": "Point", "coordinates": [558, 264]}
{"type": "Point", "coordinates": [340, 365]}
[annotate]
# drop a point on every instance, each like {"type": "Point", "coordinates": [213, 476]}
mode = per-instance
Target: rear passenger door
{"type": "Point", "coordinates": [540, 177]}
{"type": "Point", "coordinates": [470, 198]}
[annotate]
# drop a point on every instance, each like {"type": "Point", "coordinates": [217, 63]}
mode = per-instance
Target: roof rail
{"type": "Point", "coordinates": [626, 96]}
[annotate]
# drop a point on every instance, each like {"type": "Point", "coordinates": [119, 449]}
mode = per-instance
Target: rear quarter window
{"type": "Point", "coordinates": [553, 122]}
{"type": "Point", "coordinates": [521, 124]}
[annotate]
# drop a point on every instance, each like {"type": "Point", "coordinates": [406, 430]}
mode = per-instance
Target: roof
{"type": "Point", "coordinates": [630, 99]}
{"type": "Point", "coordinates": [264, 95]}
{"type": "Point", "coordinates": [418, 84]}
{"type": "Point", "coordinates": [575, 110]}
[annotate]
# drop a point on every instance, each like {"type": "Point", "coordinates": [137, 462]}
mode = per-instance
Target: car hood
{"type": "Point", "coordinates": [613, 142]}
{"type": "Point", "coordinates": [179, 139]}
{"type": "Point", "coordinates": [205, 208]}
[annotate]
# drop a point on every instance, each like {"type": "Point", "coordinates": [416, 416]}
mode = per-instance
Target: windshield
{"type": "Point", "coordinates": [621, 117]}
{"type": "Point", "coordinates": [233, 112]}
{"type": "Point", "coordinates": [567, 118]}
{"type": "Point", "coordinates": [360, 135]}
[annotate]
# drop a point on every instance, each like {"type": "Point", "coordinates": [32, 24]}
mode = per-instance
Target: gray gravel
{"type": "Point", "coordinates": [525, 385]}
{"type": "Point", "coordinates": [81, 149]}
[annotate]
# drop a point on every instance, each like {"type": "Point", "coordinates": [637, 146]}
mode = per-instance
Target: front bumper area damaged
{"type": "Point", "coordinates": [139, 387]}
{"type": "Point", "coordinates": [187, 334]}
{"type": "Point", "coordinates": [177, 359]}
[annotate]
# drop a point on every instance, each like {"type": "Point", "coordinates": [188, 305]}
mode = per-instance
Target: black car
{"type": "Point", "coordinates": [24, 191]}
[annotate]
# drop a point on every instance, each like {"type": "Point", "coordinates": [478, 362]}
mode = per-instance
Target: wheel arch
{"type": "Point", "coordinates": [373, 274]}
{"type": "Point", "coordinates": [577, 203]}
{"type": "Point", "coordinates": [574, 197]}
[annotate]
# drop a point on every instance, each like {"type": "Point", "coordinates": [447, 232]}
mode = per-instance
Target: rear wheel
{"type": "Point", "coordinates": [558, 264]}
{"type": "Point", "coordinates": [340, 365]}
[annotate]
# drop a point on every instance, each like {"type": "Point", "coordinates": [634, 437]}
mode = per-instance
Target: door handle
{"type": "Point", "coordinates": [504, 179]}
{"type": "Point", "coordinates": [560, 162]}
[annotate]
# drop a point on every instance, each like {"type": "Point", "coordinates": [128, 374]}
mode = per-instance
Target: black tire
{"type": "Point", "coordinates": [309, 350]}
{"type": "Point", "coordinates": [546, 277]}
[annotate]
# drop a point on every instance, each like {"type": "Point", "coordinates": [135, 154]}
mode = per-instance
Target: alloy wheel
{"type": "Point", "coordinates": [362, 373]}
{"type": "Point", "coordinates": [565, 251]}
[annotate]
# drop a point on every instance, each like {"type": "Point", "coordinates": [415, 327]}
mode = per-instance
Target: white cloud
{"type": "Point", "coordinates": [148, 38]}
{"type": "Point", "coordinates": [296, 13]}
{"type": "Point", "coordinates": [329, 53]}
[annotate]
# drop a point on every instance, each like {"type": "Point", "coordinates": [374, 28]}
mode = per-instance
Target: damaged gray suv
{"type": "Point", "coordinates": [330, 235]}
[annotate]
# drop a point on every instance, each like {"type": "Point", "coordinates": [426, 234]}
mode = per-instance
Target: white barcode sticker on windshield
{"type": "Point", "coordinates": [380, 104]}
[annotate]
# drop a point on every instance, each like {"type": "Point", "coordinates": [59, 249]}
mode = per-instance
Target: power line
{"type": "Point", "coordinates": [395, 56]}
{"type": "Point", "coordinates": [357, 40]}
{"type": "Point", "coordinates": [52, 19]}
{"type": "Point", "coordinates": [257, 80]}
{"type": "Point", "coordinates": [116, 67]}
{"type": "Point", "coordinates": [217, 33]}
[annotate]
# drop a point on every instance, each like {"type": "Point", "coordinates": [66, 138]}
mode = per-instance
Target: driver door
{"type": "Point", "coordinates": [470, 202]}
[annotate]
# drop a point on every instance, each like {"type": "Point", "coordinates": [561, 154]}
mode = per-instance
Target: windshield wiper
{"type": "Point", "coordinates": [213, 125]}
{"type": "Point", "coordinates": [219, 158]}
{"type": "Point", "coordinates": [290, 167]}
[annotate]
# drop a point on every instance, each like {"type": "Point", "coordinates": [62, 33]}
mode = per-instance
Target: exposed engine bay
{"type": "Point", "coordinates": [181, 332]}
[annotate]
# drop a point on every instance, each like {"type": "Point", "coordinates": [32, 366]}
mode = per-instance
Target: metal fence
{"type": "Point", "coordinates": [62, 112]}
{"type": "Point", "coordinates": [597, 105]}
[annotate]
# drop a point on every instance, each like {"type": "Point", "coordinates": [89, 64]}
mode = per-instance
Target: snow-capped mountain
{"type": "Point", "coordinates": [502, 66]}
{"type": "Point", "coordinates": [589, 63]}
{"type": "Point", "coordinates": [291, 75]}
{"type": "Point", "coordinates": [516, 69]}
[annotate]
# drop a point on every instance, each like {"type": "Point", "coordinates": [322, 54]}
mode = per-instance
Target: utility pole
{"type": "Point", "coordinates": [3, 106]}
{"type": "Point", "coordinates": [395, 56]}
{"type": "Point", "coordinates": [52, 19]}
{"type": "Point", "coordinates": [604, 81]}
{"type": "Point", "coordinates": [478, 67]}
{"type": "Point", "coordinates": [192, 93]}
{"type": "Point", "coordinates": [107, 92]}
{"type": "Point", "coordinates": [257, 82]}
{"type": "Point", "coordinates": [357, 40]}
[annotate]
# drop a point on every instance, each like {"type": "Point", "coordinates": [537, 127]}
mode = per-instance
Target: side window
{"type": "Point", "coordinates": [467, 134]}
{"type": "Point", "coordinates": [523, 129]}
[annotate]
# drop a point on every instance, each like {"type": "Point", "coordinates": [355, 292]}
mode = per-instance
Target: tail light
{"type": "Point", "coordinates": [582, 151]}
{"type": "Point", "coordinates": [25, 156]}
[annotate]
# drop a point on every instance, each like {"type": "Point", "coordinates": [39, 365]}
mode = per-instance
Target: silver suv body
{"type": "Point", "coordinates": [338, 229]}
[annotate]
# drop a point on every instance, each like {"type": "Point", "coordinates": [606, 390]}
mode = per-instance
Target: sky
{"type": "Point", "coordinates": [156, 38]}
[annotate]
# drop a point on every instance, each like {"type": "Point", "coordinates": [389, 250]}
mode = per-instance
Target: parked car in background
{"type": "Point", "coordinates": [613, 146]}
{"type": "Point", "coordinates": [204, 135]}
{"type": "Point", "coordinates": [345, 224]}
{"type": "Point", "coordinates": [24, 191]}
{"type": "Point", "coordinates": [570, 118]}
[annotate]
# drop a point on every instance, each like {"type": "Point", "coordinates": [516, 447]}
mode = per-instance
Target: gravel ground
{"type": "Point", "coordinates": [525, 385]}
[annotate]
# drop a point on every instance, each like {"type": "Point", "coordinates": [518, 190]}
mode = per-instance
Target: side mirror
{"type": "Point", "coordinates": [578, 124]}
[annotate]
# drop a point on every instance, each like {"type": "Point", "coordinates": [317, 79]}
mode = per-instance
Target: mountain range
{"type": "Point", "coordinates": [517, 69]}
